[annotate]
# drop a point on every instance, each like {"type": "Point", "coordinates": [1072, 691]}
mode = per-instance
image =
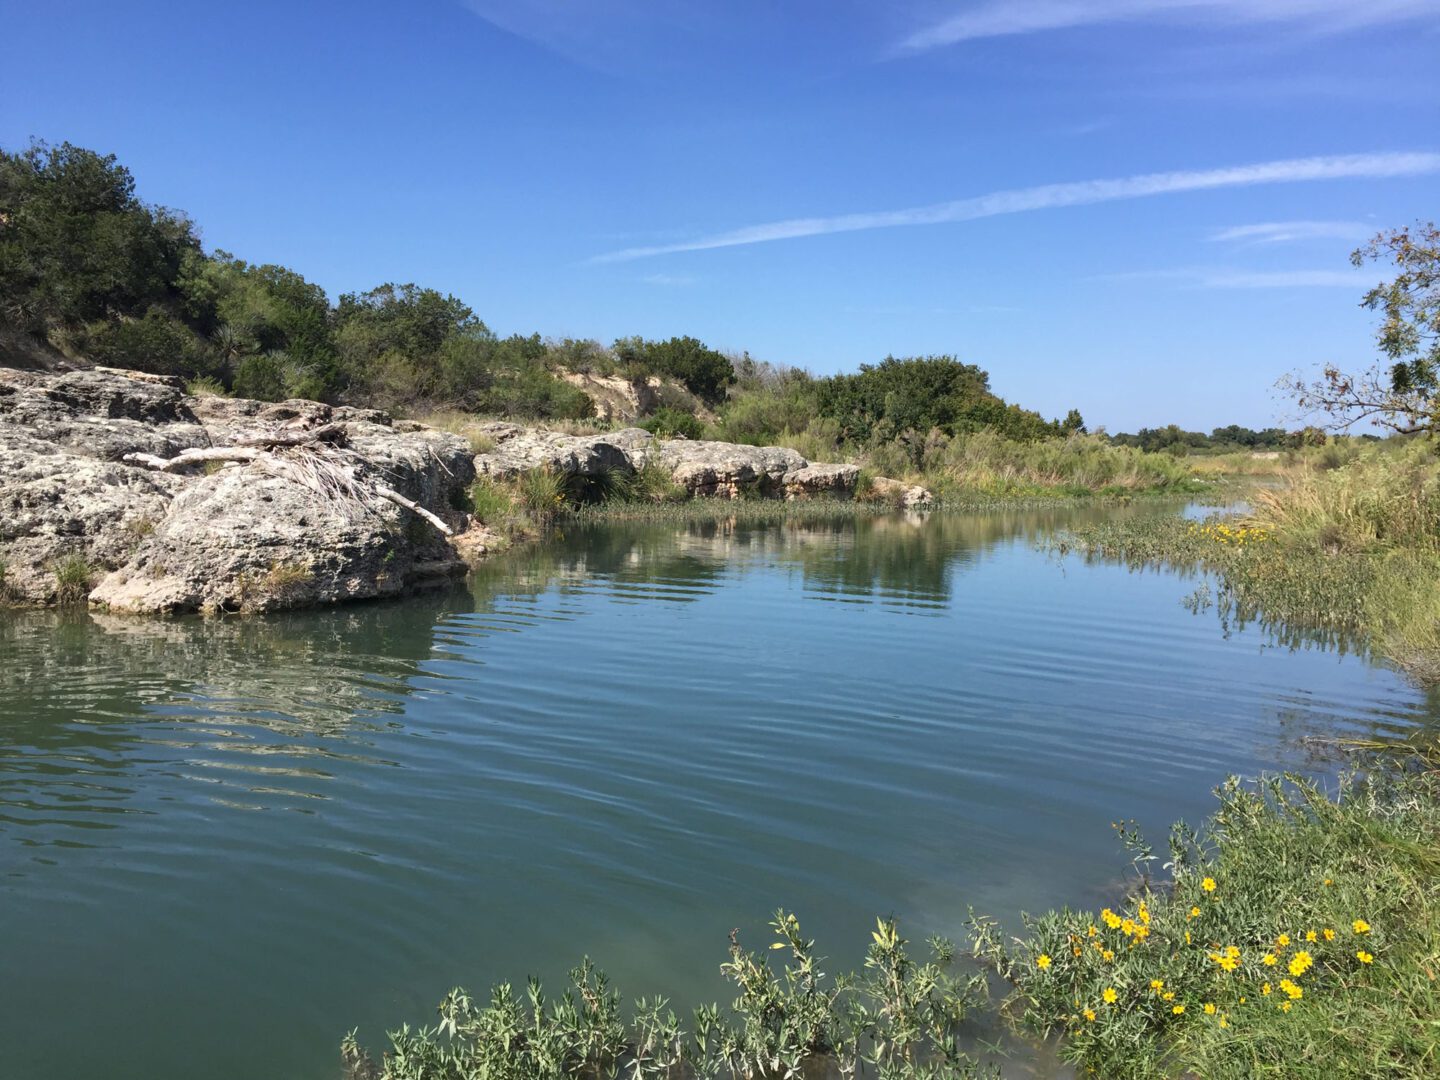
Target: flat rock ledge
{"type": "Point", "coordinates": [118, 488]}
{"type": "Point", "coordinates": [704, 469]}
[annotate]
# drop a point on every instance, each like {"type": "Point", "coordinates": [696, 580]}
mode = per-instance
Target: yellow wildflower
{"type": "Point", "coordinates": [1043, 962]}
{"type": "Point", "coordinates": [1360, 926]}
{"type": "Point", "coordinates": [1109, 995]}
{"type": "Point", "coordinates": [1208, 884]}
{"type": "Point", "coordinates": [1284, 1006]}
{"type": "Point", "coordinates": [1107, 956]}
{"type": "Point", "coordinates": [1365, 957]}
{"type": "Point", "coordinates": [1300, 963]}
{"type": "Point", "coordinates": [1091, 932]}
{"type": "Point", "coordinates": [1194, 913]}
{"type": "Point", "coordinates": [1090, 1014]}
{"type": "Point", "coordinates": [1310, 935]}
{"type": "Point", "coordinates": [1157, 984]}
{"type": "Point", "coordinates": [1109, 918]}
{"type": "Point", "coordinates": [1178, 1009]}
{"type": "Point", "coordinates": [1292, 989]}
{"type": "Point", "coordinates": [1187, 937]}
{"type": "Point", "coordinates": [1283, 940]}
{"type": "Point", "coordinates": [1223, 1022]}
{"type": "Point", "coordinates": [1269, 960]}
{"type": "Point", "coordinates": [1209, 1008]}
{"type": "Point", "coordinates": [1169, 995]}
{"type": "Point", "coordinates": [1329, 934]}
{"type": "Point", "coordinates": [1127, 927]}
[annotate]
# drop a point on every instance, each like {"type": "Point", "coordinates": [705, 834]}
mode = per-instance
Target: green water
{"type": "Point", "coordinates": [224, 843]}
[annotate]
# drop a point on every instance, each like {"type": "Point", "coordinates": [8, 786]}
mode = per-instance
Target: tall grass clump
{"type": "Point", "coordinates": [651, 484]}
{"type": "Point", "coordinates": [900, 1018]}
{"type": "Point", "coordinates": [491, 501]}
{"type": "Point", "coordinates": [542, 492]}
{"type": "Point", "coordinates": [73, 579]}
{"type": "Point", "coordinates": [1298, 936]}
{"type": "Point", "coordinates": [1378, 501]}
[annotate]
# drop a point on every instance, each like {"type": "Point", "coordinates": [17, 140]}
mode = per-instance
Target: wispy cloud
{"type": "Point", "coordinates": [1052, 196]}
{"type": "Point", "coordinates": [669, 280]}
{"type": "Point", "coordinates": [1285, 232]}
{"type": "Point", "coordinates": [1224, 278]}
{"type": "Point", "coordinates": [1283, 279]}
{"type": "Point", "coordinates": [1001, 18]}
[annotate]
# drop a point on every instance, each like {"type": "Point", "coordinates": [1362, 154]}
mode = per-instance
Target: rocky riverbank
{"type": "Point", "coordinates": [119, 490]}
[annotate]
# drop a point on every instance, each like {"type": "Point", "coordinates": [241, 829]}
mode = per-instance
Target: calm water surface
{"type": "Point", "coordinates": [224, 843]}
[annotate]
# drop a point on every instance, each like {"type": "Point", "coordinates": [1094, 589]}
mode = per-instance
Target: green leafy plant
{"type": "Point", "coordinates": [899, 1017]}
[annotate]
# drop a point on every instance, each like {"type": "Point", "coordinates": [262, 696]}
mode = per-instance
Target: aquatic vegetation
{"type": "Point", "coordinates": [1338, 897]}
{"type": "Point", "coordinates": [1351, 553]}
{"type": "Point", "coordinates": [898, 1017]}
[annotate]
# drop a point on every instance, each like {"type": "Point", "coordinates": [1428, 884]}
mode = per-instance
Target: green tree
{"type": "Point", "coordinates": [77, 246]}
{"type": "Point", "coordinates": [252, 312]}
{"type": "Point", "coordinates": [703, 371]}
{"type": "Point", "coordinates": [1402, 392]}
{"type": "Point", "coordinates": [918, 394]}
{"type": "Point", "coordinates": [403, 342]}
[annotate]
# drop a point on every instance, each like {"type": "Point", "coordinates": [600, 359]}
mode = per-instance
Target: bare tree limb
{"type": "Point", "coordinates": [391, 495]}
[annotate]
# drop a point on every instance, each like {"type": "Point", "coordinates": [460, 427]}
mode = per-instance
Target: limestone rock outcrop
{"type": "Point", "coordinates": [206, 539]}
{"type": "Point", "coordinates": [119, 487]}
{"type": "Point", "coordinates": [705, 469]}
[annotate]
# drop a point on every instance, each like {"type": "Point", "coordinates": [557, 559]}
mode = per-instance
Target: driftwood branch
{"type": "Point", "coordinates": [195, 456]}
{"type": "Point", "coordinates": [391, 495]}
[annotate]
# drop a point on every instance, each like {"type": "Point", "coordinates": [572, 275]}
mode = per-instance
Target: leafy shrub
{"type": "Point", "coordinates": [900, 1017]}
{"type": "Point", "coordinates": [157, 342]}
{"type": "Point", "coordinates": [668, 423]}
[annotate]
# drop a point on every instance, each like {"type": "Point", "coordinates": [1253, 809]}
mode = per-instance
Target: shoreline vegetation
{"type": "Point", "coordinates": [1296, 934]}
{"type": "Point", "coordinates": [1353, 551]}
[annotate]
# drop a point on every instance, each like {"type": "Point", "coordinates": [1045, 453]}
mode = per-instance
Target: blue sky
{"type": "Point", "coordinates": [821, 183]}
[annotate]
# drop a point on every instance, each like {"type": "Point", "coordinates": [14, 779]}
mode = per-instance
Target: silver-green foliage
{"type": "Point", "coordinates": [898, 1017]}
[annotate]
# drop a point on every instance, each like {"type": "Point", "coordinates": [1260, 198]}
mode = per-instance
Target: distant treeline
{"type": "Point", "coordinates": [90, 269]}
{"type": "Point", "coordinates": [1172, 439]}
